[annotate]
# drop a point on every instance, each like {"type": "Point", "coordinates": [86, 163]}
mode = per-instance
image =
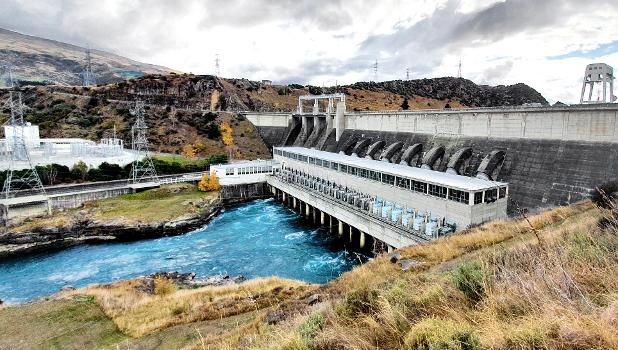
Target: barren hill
{"type": "Point", "coordinates": [41, 61]}
{"type": "Point", "coordinates": [187, 110]}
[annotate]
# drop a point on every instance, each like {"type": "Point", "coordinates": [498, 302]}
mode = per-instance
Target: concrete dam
{"type": "Point", "coordinates": [550, 156]}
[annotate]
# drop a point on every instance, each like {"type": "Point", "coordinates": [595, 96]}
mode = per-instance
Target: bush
{"type": "Point", "coordinates": [93, 102]}
{"type": "Point", "coordinates": [163, 286]}
{"type": "Point", "coordinates": [310, 328]}
{"type": "Point", "coordinates": [439, 334]}
{"type": "Point", "coordinates": [605, 195]}
{"type": "Point", "coordinates": [209, 183]}
{"type": "Point", "coordinates": [359, 302]}
{"type": "Point", "coordinates": [470, 279]}
{"type": "Point", "coordinates": [405, 106]}
{"type": "Point", "coordinates": [79, 171]}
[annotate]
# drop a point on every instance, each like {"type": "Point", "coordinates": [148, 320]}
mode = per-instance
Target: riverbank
{"type": "Point", "coordinates": [546, 282]}
{"type": "Point", "coordinates": [166, 211]}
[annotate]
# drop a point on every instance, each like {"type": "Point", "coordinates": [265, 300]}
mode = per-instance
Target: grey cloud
{"type": "Point", "coordinates": [331, 15]}
{"type": "Point", "coordinates": [496, 73]}
{"type": "Point", "coordinates": [449, 31]}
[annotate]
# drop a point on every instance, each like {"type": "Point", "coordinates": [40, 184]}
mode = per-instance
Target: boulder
{"type": "Point", "coordinates": [67, 289]}
{"type": "Point", "coordinates": [274, 317]}
{"type": "Point", "coordinates": [313, 299]}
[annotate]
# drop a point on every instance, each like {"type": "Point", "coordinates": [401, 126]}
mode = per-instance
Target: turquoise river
{"type": "Point", "coordinates": [256, 239]}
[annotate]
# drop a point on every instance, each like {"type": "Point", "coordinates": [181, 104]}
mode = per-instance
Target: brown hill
{"type": "Point", "coordinates": [185, 109]}
{"type": "Point", "coordinates": [41, 61]}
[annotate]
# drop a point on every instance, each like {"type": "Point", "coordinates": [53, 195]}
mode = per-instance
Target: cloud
{"type": "Point", "coordinates": [545, 44]}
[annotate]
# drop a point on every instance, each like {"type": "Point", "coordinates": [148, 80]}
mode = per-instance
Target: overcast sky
{"type": "Point", "coordinates": [543, 43]}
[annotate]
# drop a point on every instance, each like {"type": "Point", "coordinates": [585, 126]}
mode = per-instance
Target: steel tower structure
{"type": "Point", "coordinates": [18, 178]}
{"type": "Point", "coordinates": [87, 74]}
{"type": "Point", "coordinates": [143, 169]}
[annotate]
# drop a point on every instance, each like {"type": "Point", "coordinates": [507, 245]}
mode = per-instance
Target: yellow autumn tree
{"type": "Point", "coordinates": [188, 151]}
{"type": "Point", "coordinates": [209, 183]}
{"type": "Point", "coordinates": [214, 182]}
{"type": "Point", "coordinates": [194, 150]}
{"type": "Point", "coordinates": [226, 134]}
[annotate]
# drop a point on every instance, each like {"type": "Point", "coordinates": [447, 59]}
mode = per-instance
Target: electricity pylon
{"type": "Point", "coordinates": [18, 178]}
{"type": "Point", "coordinates": [142, 169]}
{"type": "Point", "coordinates": [87, 74]}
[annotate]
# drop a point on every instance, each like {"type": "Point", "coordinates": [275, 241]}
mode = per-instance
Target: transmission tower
{"type": "Point", "coordinates": [142, 167]}
{"type": "Point", "coordinates": [18, 177]}
{"type": "Point", "coordinates": [407, 73]}
{"type": "Point", "coordinates": [217, 67]}
{"type": "Point", "coordinates": [7, 68]}
{"type": "Point", "coordinates": [87, 74]}
{"type": "Point", "coordinates": [375, 71]}
{"type": "Point", "coordinates": [459, 69]}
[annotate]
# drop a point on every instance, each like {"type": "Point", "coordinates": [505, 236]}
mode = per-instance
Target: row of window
{"type": "Point", "coordinates": [250, 170]}
{"type": "Point", "coordinates": [491, 195]}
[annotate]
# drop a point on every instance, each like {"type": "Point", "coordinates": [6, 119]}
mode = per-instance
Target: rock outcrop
{"type": "Point", "coordinates": [462, 90]}
{"type": "Point", "coordinates": [92, 231]}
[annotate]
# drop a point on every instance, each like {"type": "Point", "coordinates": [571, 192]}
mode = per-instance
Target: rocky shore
{"type": "Point", "coordinates": [94, 231]}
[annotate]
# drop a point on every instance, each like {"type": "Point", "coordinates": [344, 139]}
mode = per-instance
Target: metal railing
{"type": "Point", "coordinates": [286, 177]}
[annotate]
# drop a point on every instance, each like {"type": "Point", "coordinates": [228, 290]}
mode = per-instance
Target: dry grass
{"type": "Point", "coordinates": [547, 283]}
{"type": "Point", "coordinates": [551, 283]}
{"type": "Point", "coordinates": [52, 221]}
{"type": "Point", "coordinates": [162, 204]}
{"type": "Point", "coordinates": [137, 313]}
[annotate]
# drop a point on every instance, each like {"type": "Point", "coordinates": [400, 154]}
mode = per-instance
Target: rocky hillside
{"type": "Point", "coordinates": [41, 61]}
{"type": "Point", "coordinates": [462, 90]}
{"type": "Point", "coordinates": [189, 112]}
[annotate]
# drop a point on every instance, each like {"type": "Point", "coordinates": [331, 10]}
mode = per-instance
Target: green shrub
{"type": "Point", "coordinates": [310, 328]}
{"type": "Point", "coordinates": [439, 334]}
{"type": "Point", "coordinates": [359, 302]}
{"type": "Point", "coordinates": [470, 279]}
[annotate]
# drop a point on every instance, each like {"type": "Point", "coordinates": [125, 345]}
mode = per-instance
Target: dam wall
{"type": "Point", "coordinates": [549, 155]}
{"type": "Point", "coordinates": [272, 127]}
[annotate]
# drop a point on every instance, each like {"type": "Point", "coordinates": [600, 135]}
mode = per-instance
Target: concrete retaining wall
{"type": "Point", "coordinates": [244, 192]}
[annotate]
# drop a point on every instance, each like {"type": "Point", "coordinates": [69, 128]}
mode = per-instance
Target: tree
{"type": "Point", "coordinates": [226, 134]}
{"type": "Point", "coordinates": [188, 151]}
{"type": "Point", "coordinates": [405, 106]}
{"type": "Point", "coordinates": [209, 183]}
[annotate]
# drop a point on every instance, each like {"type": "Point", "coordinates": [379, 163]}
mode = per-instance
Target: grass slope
{"type": "Point", "coordinates": [548, 282]}
{"type": "Point", "coordinates": [166, 203]}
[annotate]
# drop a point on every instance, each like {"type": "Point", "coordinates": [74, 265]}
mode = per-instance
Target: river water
{"type": "Point", "coordinates": [257, 239]}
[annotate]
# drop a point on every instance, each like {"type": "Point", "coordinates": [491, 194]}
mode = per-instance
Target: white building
{"type": "Point", "coordinates": [63, 151]}
{"type": "Point", "coordinates": [245, 172]}
{"type": "Point", "coordinates": [432, 195]}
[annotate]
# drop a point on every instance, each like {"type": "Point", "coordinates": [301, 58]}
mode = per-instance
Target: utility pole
{"type": "Point", "coordinates": [142, 167]}
{"type": "Point", "coordinates": [459, 70]}
{"type": "Point", "coordinates": [217, 67]}
{"type": "Point", "coordinates": [375, 71]}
